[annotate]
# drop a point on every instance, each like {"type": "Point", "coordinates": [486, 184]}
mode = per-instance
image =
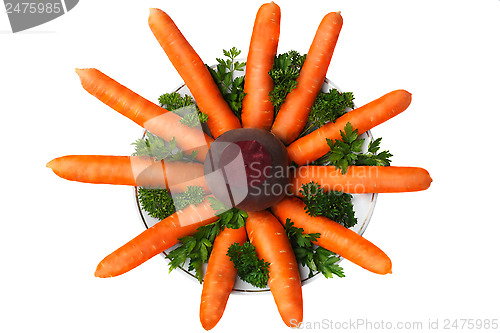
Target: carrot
{"type": "Point", "coordinates": [129, 170]}
{"type": "Point", "coordinates": [258, 111]}
{"type": "Point", "coordinates": [146, 114]}
{"type": "Point", "coordinates": [312, 146]}
{"type": "Point", "coordinates": [363, 179]}
{"type": "Point", "coordinates": [156, 239]}
{"type": "Point", "coordinates": [194, 73]}
{"type": "Point", "coordinates": [272, 245]}
{"type": "Point", "coordinates": [293, 114]}
{"type": "Point", "coordinates": [333, 236]}
{"type": "Point", "coordinates": [219, 277]}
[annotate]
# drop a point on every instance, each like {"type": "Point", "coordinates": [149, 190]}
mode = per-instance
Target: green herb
{"type": "Point", "coordinates": [157, 202]}
{"type": "Point", "coordinates": [374, 158]}
{"type": "Point", "coordinates": [285, 71]}
{"type": "Point", "coordinates": [328, 107]}
{"type": "Point", "coordinates": [250, 268]}
{"type": "Point", "coordinates": [230, 86]}
{"type": "Point", "coordinates": [194, 195]}
{"type": "Point", "coordinates": [183, 106]}
{"type": "Point", "coordinates": [160, 203]}
{"type": "Point", "coordinates": [156, 147]}
{"type": "Point", "coordinates": [347, 151]}
{"type": "Point", "coordinates": [334, 205]}
{"type": "Point", "coordinates": [317, 259]}
{"type": "Point", "coordinates": [197, 248]}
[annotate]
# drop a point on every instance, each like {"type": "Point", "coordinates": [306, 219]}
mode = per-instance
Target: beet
{"type": "Point", "coordinates": [247, 168]}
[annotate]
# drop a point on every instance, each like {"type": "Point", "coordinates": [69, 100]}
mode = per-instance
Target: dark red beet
{"type": "Point", "coordinates": [247, 168]}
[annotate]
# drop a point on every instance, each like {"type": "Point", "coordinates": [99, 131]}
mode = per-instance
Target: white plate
{"type": "Point", "coordinates": [364, 205]}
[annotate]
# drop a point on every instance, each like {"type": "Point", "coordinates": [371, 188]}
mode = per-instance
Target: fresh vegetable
{"type": "Point", "coordinates": [156, 239]}
{"type": "Point", "coordinates": [285, 71]}
{"type": "Point", "coordinates": [146, 114]}
{"type": "Point", "coordinates": [317, 259]}
{"type": "Point", "coordinates": [230, 85]}
{"type": "Point", "coordinates": [219, 277]}
{"type": "Point", "coordinates": [160, 203]}
{"type": "Point", "coordinates": [258, 111]}
{"type": "Point", "coordinates": [312, 146]}
{"type": "Point", "coordinates": [363, 179]}
{"type": "Point", "coordinates": [293, 114]}
{"type": "Point", "coordinates": [247, 168]}
{"type": "Point", "coordinates": [185, 107]}
{"type": "Point", "coordinates": [153, 146]}
{"type": "Point", "coordinates": [129, 170]}
{"type": "Point", "coordinates": [335, 205]}
{"type": "Point", "coordinates": [272, 245]}
{"type": "Point", "coordinates": [347, 151]}
{"type": "Point", "coordinates": [194, 73]}
{"type": "Point", "coordinates": [197, 247]}
{"type": "Point", "coordinates": [250, 268]}
{"type": "Point", "coordinates": [328, 107]}
{"type": "Point", "coordinates": [333, 236]}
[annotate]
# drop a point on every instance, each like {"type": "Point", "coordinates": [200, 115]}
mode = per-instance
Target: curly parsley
{"type": "Point", "coordinates": [334, 205]}
{"type": "Point", "coordinates": [250, 268]}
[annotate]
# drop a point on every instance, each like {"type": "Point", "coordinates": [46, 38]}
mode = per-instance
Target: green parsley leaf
{"type": "Point", "coordinates": [328, 107]}
{"type": "Point", "coordinates": [194, 195]}
{"type": "Point", "coordinates": [197, 248]}
{"type": "Point", "coordinates": [347, 151]}
{"type": "Point", "coordinates": [334, 205]}
{"type": "Point", "coordinates": [157, 202]}
{"type": "Point", "coordinates": [230, 85]}
{"type": "Point", "coordinates": [285, 71]}
{"type": "Point", "coordinates": [233, 218]}
{"type": "Point", "coordinates": [159, 149]}
{"type": "Point", "coordinates": [374, 158]}
{"type": "Point", "coordinates": [183, 106]}
{"type": "Point", "coordinates": [250, 268]}
{"type": "Point", "coordinates": [316, 258]}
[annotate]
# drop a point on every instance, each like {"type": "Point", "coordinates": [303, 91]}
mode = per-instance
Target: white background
{"type": "Point", "coordinates": [443, 242]}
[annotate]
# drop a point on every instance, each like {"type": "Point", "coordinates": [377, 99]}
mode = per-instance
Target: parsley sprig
{"type": "Point", "coordinates": [157, 202]}
{"type": "Point", "coordinates": [183, 106]}
{"type": "Point", "coordinates": [230, 85]}
{"type": "Point", "coordinates": [347, 151]}
{"type": "Point", "coordinates": [159, 149]}
{"type": "Point", "coordinates": [334, 205]}
{"type": "Point", "coordinates": [328, 107]}
{"type": "Point", "coordinates": [160, 203]}
{"type": "Point", "coordinates": [317, 259]}
{"type": "Point", "coordinates": [285, 71]}
{"type": "Point", "coordinates": [250, 268]}
{"type": "Point", "coordinates": [197, 248]}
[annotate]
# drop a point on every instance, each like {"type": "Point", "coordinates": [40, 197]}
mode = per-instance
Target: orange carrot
{"type": "Point", "coordinates": [312, 146]}
{"type": "Point", "coordinates": [333, 236]}
{"type": "Point", "coordinates": [156, 239]}
{"type": "Point", "coordinates": [146, 114]}
{"type": "Point", "coordinates": [272, 245]}
{"type": "Point", "coordinates": [258, 111]}
{"type": "Point", "coordinates": [219, 277]}
{"type": "Point", "coordinates": [363, 179]}
{"type": "Point", "coordinates": [129, 170]}
{"type": "Point", "coordinates": [292, 116]}
{"type": "Point", "coordinates": [194, 73]}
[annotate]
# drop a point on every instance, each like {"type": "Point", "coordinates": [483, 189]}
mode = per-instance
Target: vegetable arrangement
{"type": "Point", "coordinates": [309, 225]}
